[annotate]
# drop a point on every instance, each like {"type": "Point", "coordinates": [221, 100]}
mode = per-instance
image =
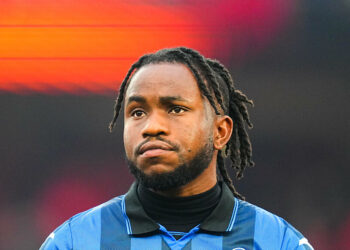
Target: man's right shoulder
{"type": "Point", "coordinates": [87, 226]}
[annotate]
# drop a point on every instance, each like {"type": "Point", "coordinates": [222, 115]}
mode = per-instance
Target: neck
{"type": "Point", "coordinates": [205, 181]}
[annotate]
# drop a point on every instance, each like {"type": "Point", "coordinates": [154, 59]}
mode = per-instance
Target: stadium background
{"type": "Point", "coordinates": [61, 63]}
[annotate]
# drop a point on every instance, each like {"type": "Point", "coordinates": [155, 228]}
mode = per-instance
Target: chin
{"type": "Point", "coordinates": [156, 169]}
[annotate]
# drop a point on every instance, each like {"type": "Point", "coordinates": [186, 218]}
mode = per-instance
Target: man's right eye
{"type": "Point", "coordinates": [137, 113]}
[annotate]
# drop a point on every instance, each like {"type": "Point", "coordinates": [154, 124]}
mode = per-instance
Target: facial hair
{"type": "Point", "coordinates": [181, 175]}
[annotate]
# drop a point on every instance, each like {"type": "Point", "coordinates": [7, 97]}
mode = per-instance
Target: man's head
{"type": "Point", "coordinates": [168, 126]}
{"type": "Point", "coordinates": [178, 110]}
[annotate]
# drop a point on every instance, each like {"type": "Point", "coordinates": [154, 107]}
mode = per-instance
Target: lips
{"type": "Point", "coordinates": [155, 145]}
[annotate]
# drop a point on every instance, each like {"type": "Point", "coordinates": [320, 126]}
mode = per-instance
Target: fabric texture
{"type": "Point", "coordinates": [122, 223]}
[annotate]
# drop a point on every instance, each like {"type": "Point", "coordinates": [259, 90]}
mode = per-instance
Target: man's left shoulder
{"type": "Point", "coordinates": [270, 228]}
{"type": "Point", "coordinates": [83, 230]}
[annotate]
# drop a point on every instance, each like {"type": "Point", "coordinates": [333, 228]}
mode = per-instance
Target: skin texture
{"type": "Point", "coordinates": [163, 100]}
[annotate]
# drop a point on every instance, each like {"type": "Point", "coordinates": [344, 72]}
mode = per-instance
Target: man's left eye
{"type": "Point", "coordinates": [177, 110]}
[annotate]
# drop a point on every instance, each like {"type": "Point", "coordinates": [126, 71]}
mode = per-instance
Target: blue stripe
{"type": "Point", "coordinates": [207, 241]}
{"type": "Point", "coordinates": [272, 231]}
{"type": "Point", "coordinates": [242, 234]}
{"type": "Point", "coordinates": [146, 243]}
{"type": "Point", "coordinates": [113, 231]}
{"type": "Point", "coordinates": [127, 221]}
{"type": "Point", "coordinates": [233, 216]}
{"type": "Point", "coordinates": [86, 230]}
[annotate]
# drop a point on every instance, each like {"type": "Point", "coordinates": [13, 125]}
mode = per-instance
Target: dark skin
{"type": "Point", "coordinates": [163, 100]}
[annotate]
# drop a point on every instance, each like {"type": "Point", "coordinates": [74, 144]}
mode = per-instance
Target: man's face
{"type": "Point", "coordinates": [168, 125]}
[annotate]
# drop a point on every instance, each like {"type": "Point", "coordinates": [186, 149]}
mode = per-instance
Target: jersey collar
{"type": "Point", "coordinates": [223, 217]}
{"type": "Point", "coordinates": [220, 220]}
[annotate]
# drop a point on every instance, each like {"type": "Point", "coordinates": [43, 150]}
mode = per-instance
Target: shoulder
{"type": "Point", "coordinates": [270, 229]}
{"type": "Point", "coordinates": [85, 224]}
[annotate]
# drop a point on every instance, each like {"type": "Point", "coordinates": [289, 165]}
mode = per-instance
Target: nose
{"type": "Point", "coordinates": [155, 125]}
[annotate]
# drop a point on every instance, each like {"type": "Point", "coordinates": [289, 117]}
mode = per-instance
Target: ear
{"type": "Point", "coordinates": [222, 131]}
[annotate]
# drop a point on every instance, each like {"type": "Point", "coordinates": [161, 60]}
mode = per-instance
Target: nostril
{"type": "Point", "coordinates": [147, 134]}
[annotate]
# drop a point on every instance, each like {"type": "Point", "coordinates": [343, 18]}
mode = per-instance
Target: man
{"type": "Point", "coordinates": [182, 116]}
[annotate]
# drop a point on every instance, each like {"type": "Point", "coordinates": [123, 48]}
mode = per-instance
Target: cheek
{"type": "Point", "coordinates": [195, 136]}
{"type": "Point", "coordinates": [128, 141]}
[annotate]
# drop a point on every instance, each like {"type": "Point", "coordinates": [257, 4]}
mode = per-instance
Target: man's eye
{"type": "Point", "coordinates": [177, 110]}
{"type": "Point", "coordinates": [138, 113]}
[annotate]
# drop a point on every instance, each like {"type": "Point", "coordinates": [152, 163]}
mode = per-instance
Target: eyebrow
{"type": "Point", "coordinates": [163, 99]}
{"type": "Point", "coordinates": [136, 98]}
{"type": "Point", "coordinates": [169, 99]}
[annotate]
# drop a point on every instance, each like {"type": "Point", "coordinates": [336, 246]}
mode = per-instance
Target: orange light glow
{"type": "Point", "coordinates": [87, 46]}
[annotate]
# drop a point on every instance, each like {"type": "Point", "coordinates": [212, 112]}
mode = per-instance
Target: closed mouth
{"type": "Point", "coordinates": [155, 145]}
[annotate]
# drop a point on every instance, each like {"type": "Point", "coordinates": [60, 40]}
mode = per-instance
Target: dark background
{"type": "Point", "coordinates": [57, 157]}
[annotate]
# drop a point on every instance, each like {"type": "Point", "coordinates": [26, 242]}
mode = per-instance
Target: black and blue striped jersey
{"type": "Point", "coordinates": [121, 223]}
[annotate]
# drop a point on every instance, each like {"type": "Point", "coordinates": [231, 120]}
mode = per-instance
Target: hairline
{"type": "Point", "coordinates": [218, 106]}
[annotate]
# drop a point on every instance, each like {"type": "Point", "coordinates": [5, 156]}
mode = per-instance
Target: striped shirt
{"type": "Point", "coordinates": [121, 223]}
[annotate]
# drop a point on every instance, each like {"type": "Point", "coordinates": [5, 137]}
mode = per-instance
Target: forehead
{"type": "Point", "coordinates": [163, 79]}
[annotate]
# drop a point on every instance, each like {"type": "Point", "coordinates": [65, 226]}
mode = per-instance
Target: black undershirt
{"type": "Point", "coordinates": [179, 214]}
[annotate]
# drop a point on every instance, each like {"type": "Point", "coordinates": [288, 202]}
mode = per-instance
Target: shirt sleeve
{"type": "Point", "coordinates": [60, 239]}
{"type": "Point", "coordinates": [295, 240]}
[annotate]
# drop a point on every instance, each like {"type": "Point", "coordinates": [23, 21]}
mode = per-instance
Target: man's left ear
{"type": "Point", "coordinates": [222, 131]}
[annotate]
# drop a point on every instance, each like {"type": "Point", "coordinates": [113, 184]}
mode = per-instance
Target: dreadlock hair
{"type": "Point", "coordinates": [216, 84]}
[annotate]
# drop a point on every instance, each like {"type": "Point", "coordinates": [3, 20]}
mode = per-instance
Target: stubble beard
{"type": "Point", "coordinates": [181, 175]}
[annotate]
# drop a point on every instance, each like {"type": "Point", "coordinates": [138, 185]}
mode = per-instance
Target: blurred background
{"type": "Point", "coordinates": [61, 63]}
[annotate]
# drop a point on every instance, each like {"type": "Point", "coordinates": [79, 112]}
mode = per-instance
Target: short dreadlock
{"type": "Point", "coordinates": [216, 84]}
